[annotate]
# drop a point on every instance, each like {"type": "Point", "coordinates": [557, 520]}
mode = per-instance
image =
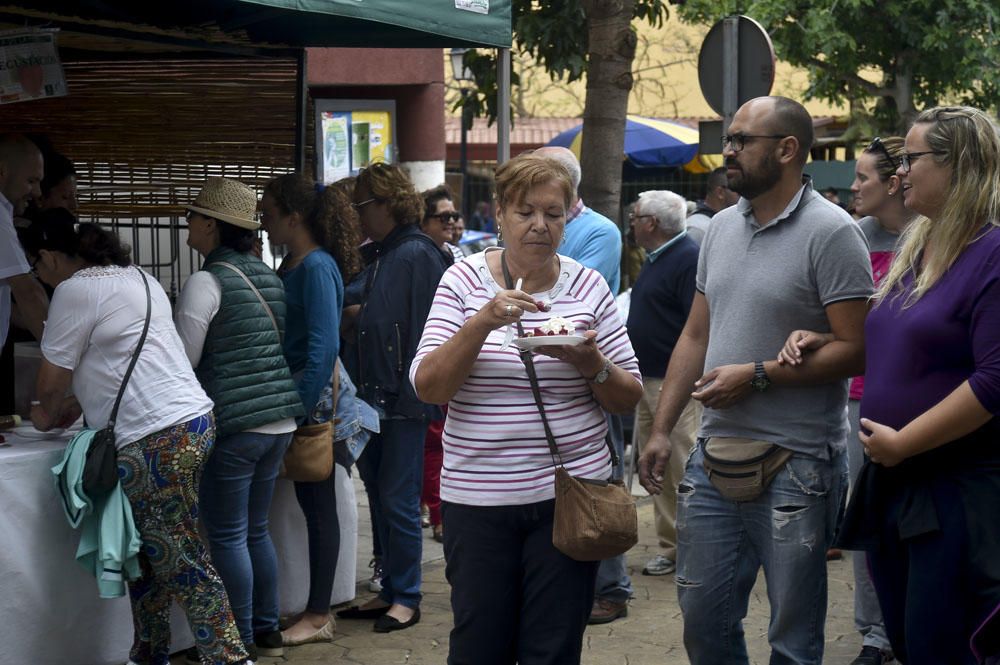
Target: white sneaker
{"type": "Point", "coordinates": [375, 583]}
{"type": "Point", "coordinates": [659, 565]}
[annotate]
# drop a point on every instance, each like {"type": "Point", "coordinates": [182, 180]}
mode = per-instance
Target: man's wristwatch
{"type": "Point", "coordinates": [605, 372]}
{"type": "Point", "coordinates": [759, 382]}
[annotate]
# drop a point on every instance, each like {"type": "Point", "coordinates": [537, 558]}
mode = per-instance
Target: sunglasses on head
{"type": "Point", "coordinates": [446, 216]}
{"type": "Point", "coordinates": [877, 146]}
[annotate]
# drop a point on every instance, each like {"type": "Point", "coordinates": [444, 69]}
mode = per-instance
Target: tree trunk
{"type": "Point", "coordinates": [902, 93]}
{"type": "Point", "coordinates": [609, 81]}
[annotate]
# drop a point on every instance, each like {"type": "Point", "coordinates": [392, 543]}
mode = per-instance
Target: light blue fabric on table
{"type": "Point", "coordinates": [109, 541]}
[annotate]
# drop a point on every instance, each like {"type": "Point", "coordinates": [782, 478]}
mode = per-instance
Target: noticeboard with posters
{"type": "Point", "coordinates": [351, 134]}
{"type": "Point", "coordinates": [29, 66]}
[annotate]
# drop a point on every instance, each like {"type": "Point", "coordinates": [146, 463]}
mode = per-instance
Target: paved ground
{"type": "Point", "coordinates": [651, 635]}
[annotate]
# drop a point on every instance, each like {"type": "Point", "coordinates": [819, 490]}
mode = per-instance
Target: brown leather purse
{"type": "Point", "coordinates": [594, 519]}
{"type": "Point", "coordinates": [309, 458]}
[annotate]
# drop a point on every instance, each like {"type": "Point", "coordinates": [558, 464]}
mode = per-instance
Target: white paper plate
{"type": "Point", "coordinates": [548, 340]}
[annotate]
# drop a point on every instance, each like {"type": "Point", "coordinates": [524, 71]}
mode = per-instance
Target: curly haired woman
{"type": "Point", "coordinates": [322, 247]}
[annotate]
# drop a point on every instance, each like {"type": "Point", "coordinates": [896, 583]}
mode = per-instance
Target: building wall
{"type": "Point", "coordinates": [414, 78]}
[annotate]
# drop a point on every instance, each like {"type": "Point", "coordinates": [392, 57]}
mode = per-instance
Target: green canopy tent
{"type": "Point", "coordinates": [165, 94]}
{"type": "Point", "coordinates": [268, 24]}
{"type": "Point", "coordinates": [122, 29]}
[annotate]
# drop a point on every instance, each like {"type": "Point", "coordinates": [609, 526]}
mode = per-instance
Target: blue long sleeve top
{"type": "Point", "coordinates": [314, 293]}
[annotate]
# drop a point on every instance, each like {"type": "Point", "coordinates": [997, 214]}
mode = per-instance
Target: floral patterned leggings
{"type": "Point", "coordinates": [160, 475]}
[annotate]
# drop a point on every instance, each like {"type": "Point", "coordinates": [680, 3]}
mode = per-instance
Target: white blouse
{"type": "Point", "coordinates": [95, 321]}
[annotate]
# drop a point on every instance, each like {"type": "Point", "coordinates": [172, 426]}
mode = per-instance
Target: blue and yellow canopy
{"type": "Point", "coordinates": [651, 142]}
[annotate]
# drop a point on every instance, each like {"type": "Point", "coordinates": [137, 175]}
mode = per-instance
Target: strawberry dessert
{"type": "Point", "coordinates": [557, 325]}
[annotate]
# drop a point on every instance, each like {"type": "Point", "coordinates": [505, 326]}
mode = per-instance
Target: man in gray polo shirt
{"type": "Point", "coordinates": [784, 258]}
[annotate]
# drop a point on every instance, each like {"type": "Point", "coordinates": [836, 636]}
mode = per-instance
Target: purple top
{"type": "Point", "coordinates": [917, 356]}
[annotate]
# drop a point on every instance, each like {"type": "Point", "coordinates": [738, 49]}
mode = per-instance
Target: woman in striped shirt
{"type": "Point", "coordinates": [515, 597]}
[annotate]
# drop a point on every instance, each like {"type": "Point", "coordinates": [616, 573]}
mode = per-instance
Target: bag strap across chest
{"type": "Point", "coordinates": [135, 354]}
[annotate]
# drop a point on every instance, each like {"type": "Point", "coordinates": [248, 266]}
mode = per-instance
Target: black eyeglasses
{"type": "Point", "coordinates": [636, 218]}
{"type": "Point", "coordinates": [738, 141]}
{"type": "Point", "coordinates": [877, 145]}
{"type": "Point", "coordinates": [446, 217]}
{"type": "Point", "coordinates": [907, 158]}
{"type": "Point", "coordinates": [358, 206]}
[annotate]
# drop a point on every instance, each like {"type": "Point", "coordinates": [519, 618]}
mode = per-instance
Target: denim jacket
{"type": "Point", "coordinates": [395, 292]}
{"type": "Point", "coordinates": [357, 421]}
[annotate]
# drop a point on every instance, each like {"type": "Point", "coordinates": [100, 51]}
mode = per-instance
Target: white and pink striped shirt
{"type": "Point", "coordinates": [495, 451]}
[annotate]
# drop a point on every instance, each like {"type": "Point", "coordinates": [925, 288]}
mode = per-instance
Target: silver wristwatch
{"type": "Point", "coordinates": [605, 372]}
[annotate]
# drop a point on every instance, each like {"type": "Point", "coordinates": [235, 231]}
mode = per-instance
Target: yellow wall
{"type": "Point", "coordinates": [666, 79]}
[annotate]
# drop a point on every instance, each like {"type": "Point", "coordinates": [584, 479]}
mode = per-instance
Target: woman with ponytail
{"type": "Point", "coordinates": [164, 431]}
{"type": "Point", "coordinates": [315, 225]}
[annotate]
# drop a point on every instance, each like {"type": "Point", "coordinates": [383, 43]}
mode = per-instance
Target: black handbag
{"type": "Point", "coordinates": [100, 470]}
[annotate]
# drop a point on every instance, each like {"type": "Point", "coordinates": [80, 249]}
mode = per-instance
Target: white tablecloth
{"type": "Point", "coordinates": [51, 614]}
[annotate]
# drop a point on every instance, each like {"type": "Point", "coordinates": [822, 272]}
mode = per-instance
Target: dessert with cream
{"type": "Point", "coordinates": [557, 325]}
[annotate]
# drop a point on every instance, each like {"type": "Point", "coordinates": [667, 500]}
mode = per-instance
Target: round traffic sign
{"type": "Point", "coordinates": [754, 62]}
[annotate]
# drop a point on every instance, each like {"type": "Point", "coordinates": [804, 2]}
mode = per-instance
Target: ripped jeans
{"type": "Point", "coordinates": [722, 544]}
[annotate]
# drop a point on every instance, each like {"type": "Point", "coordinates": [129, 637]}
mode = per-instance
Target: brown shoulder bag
{"type": "Point", "coordinates": [594, 519]}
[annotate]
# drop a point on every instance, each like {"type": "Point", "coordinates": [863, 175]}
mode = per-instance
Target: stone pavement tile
{"type": "Point", "coordinates": [652, 634]}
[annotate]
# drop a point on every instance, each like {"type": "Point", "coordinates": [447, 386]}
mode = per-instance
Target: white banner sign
{"type": "Point", "coordinates": [478, 6]}
{"type": "Point", "coordinates": [30, 66]}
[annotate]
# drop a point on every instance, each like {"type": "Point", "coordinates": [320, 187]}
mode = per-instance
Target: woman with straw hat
{"type": "Point", "coordinates": [231, 317]}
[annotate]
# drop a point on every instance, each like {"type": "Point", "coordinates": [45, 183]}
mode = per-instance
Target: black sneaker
{"type": "Point", "coordinates": [269, 644]}
{"type": "Point", "coordinates": [870, 656]}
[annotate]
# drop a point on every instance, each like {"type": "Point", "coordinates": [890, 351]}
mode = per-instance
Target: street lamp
{"type": "Point", "coordinates": [462, 74]}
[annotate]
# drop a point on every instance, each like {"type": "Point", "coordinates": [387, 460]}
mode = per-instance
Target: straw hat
{"type": "Point", "coordinates": [228, 200]}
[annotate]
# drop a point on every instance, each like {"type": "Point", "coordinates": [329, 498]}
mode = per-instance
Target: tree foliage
{"type": "Point", "coordinates": [887, 58]}
{"type": "Point", "coordinates": [554, 33]}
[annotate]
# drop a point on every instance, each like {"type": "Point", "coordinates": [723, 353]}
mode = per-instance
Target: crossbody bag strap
{"type": "Point", "coordinates": [267, 308]}
{"type": "Point", "coordinates": [529, 365]}
{"type": "Point", "coordinates": [270, 314]}
{"type": "Point", "coordinates": [135, 354]}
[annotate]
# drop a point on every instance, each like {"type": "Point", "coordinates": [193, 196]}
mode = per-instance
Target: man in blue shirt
{"type": "Point", "coordinates": [590, 237]}
{"type": "Point", "coordinates": [660, 303]}
{"type": "Point", "coordinates": [595, 241]}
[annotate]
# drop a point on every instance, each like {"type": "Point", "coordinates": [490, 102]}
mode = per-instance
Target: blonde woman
{"type": "Point", "coordinates": [926, 501]}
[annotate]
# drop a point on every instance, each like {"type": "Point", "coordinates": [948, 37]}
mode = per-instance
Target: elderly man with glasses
{"type": "Point", "coordinates": [660, 304]}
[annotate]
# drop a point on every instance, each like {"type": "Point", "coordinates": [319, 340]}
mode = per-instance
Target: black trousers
{"type": "Point", "coordinates": [931, 594]}
{"type": "Point", "coordinates": [515, 597]}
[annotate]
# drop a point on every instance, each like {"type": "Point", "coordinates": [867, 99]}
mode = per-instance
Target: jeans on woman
{"type": "Point", "coordinates": [160, 475]}
{"type": "Point", "coordinates": [392, 468]}
{"type": "Point", "coordinates": [236, 491]}
{"type": "Point", "coordinates": [319, 505]}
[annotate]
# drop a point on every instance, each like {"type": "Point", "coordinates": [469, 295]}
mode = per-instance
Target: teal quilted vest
{"type": "Point", "coordinates": [242, 366]}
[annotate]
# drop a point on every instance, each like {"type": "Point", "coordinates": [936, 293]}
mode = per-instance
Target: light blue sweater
{"type": "Point", "coordinates": [595, 241]}
{"type": "Point", "coordinates": [109, 541]}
